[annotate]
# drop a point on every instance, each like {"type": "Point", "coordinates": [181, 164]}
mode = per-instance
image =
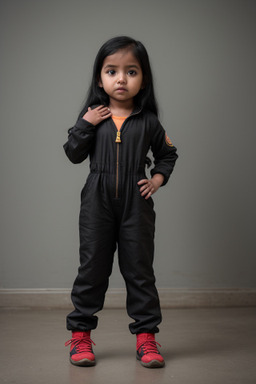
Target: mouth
{"type": "Point", "coordinates": [121, 89]}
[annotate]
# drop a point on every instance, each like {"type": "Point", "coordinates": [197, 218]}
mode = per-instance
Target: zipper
{"type": "Point", "coordinates": [117, 169]}
{"type": "Point", "coordinates": [118, 137]}
{"type": "Point", "coordinates": [118, 141]}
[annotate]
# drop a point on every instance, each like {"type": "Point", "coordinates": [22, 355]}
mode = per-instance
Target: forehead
{"type": "Point", "coordinates": [123, 57]}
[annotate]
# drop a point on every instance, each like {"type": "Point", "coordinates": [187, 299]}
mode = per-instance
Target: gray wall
{"type": "Point", "coordinates": [203, 58]}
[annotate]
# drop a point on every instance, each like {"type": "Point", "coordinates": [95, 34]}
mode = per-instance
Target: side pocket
{"type": "Point", "coordinates": [86, 186]}
{"type": "Point", "coordinates": [148, 201]}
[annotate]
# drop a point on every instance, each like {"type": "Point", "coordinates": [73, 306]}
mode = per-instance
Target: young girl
{"type": "Point", "coordinates": [116, 128]}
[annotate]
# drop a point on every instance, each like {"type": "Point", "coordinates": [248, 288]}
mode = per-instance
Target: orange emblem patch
{"type": "Point", "coordinates": [168, 141]}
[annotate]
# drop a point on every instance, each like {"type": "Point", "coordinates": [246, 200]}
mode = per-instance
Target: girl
{"type": "Point", "coordinates": [116, 128]}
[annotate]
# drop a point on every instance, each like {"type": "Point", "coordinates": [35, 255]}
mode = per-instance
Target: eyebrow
{"type": "Point", "coordinates": [116, 66]}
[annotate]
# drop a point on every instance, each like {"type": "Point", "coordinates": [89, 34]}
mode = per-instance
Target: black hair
{"type": "Point", "coordinates": [145, 98]}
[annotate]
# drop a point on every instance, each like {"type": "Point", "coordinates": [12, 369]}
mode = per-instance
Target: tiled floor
{"type": "Point", "coordinates": [208, 346]}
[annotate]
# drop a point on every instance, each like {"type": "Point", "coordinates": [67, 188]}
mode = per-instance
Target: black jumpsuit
{"type": "Point", "coordinates": [114, 213]}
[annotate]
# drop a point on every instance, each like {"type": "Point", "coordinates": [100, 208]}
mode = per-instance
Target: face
{"type": "Point", "coordinates": [121, 76]}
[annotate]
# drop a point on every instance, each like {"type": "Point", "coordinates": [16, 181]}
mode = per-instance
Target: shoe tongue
{"type": "Point", "coordinates": [147, 336]}
{"type": "Point", "coordinates": [150, 336]}
{"type": "Point", "coordinates": [80, 335]}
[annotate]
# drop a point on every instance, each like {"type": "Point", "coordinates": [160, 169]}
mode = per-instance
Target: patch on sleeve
{"type": "Point", "coordinates": [168, 141]}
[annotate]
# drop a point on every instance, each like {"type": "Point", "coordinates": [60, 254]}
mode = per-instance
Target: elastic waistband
{"type": "Point", "coordinates": [111, 169]}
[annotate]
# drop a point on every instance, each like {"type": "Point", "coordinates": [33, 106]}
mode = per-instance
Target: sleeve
{"type": "Point", "coordinates": [80, 140]}
{"type": "Point", "coordinates": [164, 152]}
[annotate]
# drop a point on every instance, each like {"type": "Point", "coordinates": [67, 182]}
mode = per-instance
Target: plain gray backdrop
{"type": "Point", "coordinates": [203, 56]}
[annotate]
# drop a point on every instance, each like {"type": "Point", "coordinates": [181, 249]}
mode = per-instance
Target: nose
{"type": "Point", "coordinates": [121, 78]}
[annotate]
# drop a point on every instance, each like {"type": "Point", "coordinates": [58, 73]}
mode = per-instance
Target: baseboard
{"type": "Point", "coordinates": [116, 298]}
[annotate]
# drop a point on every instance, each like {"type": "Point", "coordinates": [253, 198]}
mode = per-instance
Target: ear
{"type": "Point", "coordinates": [100, 83]}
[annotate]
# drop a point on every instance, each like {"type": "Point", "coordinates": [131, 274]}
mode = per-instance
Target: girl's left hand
{"type": "Point", "coordinates": [150, 186]}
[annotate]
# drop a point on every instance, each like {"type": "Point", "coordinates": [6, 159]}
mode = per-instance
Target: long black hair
{"type": "Point", "coordinates": [145, 98]}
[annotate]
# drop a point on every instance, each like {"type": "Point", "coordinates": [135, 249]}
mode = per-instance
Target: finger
{"type": "Point", "coordinates": [105, 110]}
{"type": "Point", "coordinates": [99, 109]}
{"type": "Point", "coordinates": [148, 196]}
{"type": "Point", "coordinates": [148, 191]}
{"type": "Point", "coordinates": [147, 186]}
{"type": "Point", "coordinates": [145, 191]}
{"type": "Point", "coordinates": [106, 116]}
{"type": "Point", "coordinates": [143, 181]}
{"type": "Point", "coordinates": [144, 187]}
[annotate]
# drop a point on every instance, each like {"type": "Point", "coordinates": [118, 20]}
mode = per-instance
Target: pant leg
{"type": "Point", "coordinates": [136, 254]}
{"type": "Point", "coordinates": [97, 247]}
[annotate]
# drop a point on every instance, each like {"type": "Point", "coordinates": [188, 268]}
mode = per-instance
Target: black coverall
{"type": "Point", "coordinates": [114, 213]}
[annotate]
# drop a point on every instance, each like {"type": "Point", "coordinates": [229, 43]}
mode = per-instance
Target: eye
{"type": "Point", "coordinates": [132, 72]}
{"type": "Point", "coordinates": [111, 72]}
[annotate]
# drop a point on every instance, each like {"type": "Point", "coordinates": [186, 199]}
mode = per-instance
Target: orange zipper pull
{"type": "Point", "coordinates": [118, 137]}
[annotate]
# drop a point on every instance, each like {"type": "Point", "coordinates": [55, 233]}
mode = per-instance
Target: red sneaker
{"type": "Point", "coordinates": [81, 352]}
{"type": "Point", "coordinates": [147, 351]}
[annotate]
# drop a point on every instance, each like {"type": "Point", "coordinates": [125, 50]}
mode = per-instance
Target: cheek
{"type": "Point", "coordinates": [139, 85]}
{"type": "Point", "coordinates": [104, 83]}
{"type": "Point", "coordinates": [140, 82]}
{"type": "Point", "coordinates": [101, 81]}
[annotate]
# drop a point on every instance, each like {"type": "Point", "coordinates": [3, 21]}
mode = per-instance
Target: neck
{"type": "Point", "coordinates": [121, 109]}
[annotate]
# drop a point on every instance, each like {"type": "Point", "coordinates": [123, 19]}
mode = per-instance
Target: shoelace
{"type": "Point", "coordinates": [149, 346]}
{"type": "Point", "coordinates": [82, 345]}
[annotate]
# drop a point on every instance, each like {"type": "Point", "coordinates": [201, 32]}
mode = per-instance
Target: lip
{"type": "Point", "coordinates": [121, 89]}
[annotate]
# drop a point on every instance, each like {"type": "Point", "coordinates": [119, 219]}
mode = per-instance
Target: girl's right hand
{"type": "Point", "coordinates": [97, 115]}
